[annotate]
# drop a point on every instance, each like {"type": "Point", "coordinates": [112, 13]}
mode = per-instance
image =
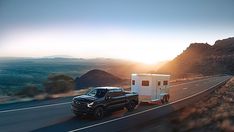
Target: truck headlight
{"type": "Point", "coordinates": [90, 104]}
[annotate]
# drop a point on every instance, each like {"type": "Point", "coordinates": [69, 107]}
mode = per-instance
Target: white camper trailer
{"type": "Point", "coordinates": [151, 87]}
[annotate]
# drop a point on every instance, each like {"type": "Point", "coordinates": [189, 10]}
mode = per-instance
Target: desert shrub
{"type": "Point", "coordinates": [59, 84]}
{"type": "Point", "coordinates": [29, 91]}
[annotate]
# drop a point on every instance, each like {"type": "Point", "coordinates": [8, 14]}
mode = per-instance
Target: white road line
{"type": "Point", "coordinates": [34, 107]}
{"type": "Point", "coordinates": [50, 105]}
{"type": "Point", "coordinates": [98, 124]}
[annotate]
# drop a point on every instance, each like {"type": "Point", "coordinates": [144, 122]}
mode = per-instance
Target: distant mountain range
{"type": "Point", "coordinates": [203, 58]}
{"type": "Point", "coordinates": [58, 56]}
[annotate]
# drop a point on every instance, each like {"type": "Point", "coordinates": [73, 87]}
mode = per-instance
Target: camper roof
{"type": "Point", "coordinates": [147, 74]}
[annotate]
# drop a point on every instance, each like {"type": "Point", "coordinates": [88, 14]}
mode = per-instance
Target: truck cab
{"type": "Point", "coordinates": [99, 100]}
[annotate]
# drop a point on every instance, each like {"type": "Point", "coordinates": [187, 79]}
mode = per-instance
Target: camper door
{"type": "Point", "coordinates": [154, 88]}
{"type": "Point", "coordinates": [146, 88]}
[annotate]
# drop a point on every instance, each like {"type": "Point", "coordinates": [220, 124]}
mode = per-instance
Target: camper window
{"type": "Point", "coordinates": [159, 83]}
{"type": "Point", "coordinates": [145, 83]}
{"type": "Point", "coordinates": [133, 82]}
{"type": "Point", "coordinates": [165, 82]}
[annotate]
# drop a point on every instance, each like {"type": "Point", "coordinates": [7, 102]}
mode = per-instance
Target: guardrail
{"type": "Point", "coordinates": [129, 121]}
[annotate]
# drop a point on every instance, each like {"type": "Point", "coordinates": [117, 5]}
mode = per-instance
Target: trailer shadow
{"type": "Point", "coordinates": [78, 122]}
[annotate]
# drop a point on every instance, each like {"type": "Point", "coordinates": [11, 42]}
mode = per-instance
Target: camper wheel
{"type": "Point", "coordinates": [165, 99]}
{"type": "Point", "coordinates": [168, 97]}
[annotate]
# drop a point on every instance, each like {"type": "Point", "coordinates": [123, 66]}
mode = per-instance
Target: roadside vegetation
{"type": "Point", "coordinates": [56, 84]}
{"type": "Point", "coordinates": [29, 91]}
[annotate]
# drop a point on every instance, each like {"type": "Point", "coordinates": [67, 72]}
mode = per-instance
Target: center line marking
{"type": "Point", "coordinates": [34, 107]}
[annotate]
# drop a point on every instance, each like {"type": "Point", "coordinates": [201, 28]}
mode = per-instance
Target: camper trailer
{"type": "Point", "coordinates": [151, 87]}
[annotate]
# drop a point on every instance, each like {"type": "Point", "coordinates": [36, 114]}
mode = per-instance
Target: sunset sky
{"type": "Point", "coordinates": [146, 31]}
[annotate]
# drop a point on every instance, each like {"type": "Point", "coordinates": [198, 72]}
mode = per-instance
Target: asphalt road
{"type": "Point", "coordinates": [55, 115]}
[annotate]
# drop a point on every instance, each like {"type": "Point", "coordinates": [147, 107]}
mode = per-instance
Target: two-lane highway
{"type": "Point", "coordinates": [55, 115]}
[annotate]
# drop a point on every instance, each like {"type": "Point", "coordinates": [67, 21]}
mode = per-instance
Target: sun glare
{"type": "Point", "coordinates": [82, 43]}
{"type": "Point", "coordinates": [149, 60]}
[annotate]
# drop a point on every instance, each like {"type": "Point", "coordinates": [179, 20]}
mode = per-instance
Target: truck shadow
{"type": "Point", "coordinates": [78, 122]}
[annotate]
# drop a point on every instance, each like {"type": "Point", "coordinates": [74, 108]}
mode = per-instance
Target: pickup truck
{"type": "Point", "coordinates": [99, 100]}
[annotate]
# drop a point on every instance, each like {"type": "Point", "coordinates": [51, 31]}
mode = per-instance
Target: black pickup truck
{"type": "Point", "coordinates": [99, 100]}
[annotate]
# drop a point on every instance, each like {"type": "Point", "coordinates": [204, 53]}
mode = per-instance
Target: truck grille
{"type": "Point", "coordinates": [79, 105]}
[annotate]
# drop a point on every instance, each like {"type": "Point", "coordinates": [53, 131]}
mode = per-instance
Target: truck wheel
{"type": "Point", "coordinates": [99, 113]}
{"type": "Point", "coordinates": [131, 105]}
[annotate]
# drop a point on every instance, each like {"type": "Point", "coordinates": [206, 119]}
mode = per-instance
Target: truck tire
{"type": "Point", "coordinates": [98, 113]}
{"type": "Point", "coordinates": [131, 106]}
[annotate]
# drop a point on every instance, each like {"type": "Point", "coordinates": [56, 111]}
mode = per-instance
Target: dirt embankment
{"type": "Point", "coordinates": [213, 114]}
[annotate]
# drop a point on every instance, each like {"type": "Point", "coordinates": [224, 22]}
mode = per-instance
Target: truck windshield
{"type": "Point", "coordinates": [99, 93]}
